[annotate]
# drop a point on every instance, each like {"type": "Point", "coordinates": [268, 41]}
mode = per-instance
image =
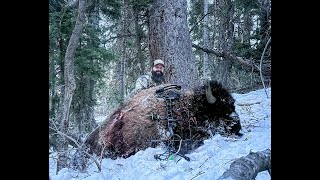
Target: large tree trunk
{"type": "Point", "coordinates": [246, 26]}
{"type": "Point", "coordinates": [139, 34]}
{"type": "Point", "coordinates": [52, 92]}
{"type": "Point", "coordinates": [248, 167]}
{"type": "Point", "coordinates": [205, 67]}
{"type": "Point", "coordinates": [169, 40]}
{"type": "Point", "coordinates": [90, 108]}
{"type": "Point", "coordinates": [69, 85]}
{"type": "Point", "coordinates": [124, 30]}
{"type": "Point", "coordinates": [226, 40]}
{"type": "Point", "coordinates": [265, 21]}
{"type": "Point", "coordinates": [84, 112]}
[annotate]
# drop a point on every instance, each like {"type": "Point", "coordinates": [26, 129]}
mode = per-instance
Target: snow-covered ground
{"type": "Point", "coordinates": [207, 162]}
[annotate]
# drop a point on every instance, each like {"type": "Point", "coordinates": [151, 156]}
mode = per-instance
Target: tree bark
{"type": "Point", "coordinates": [84, 105]}
{"type": "Point", "coordinates": [69, 86]}
{"type": "Point", "coordinates": [169, 40]}
{"type": "Point", "coordinates": [139, 34]}
{"type": "Point", "coordinates": [124, 29]}
{"type": "Point", "coordinates": [52, 92]}
{"type": "Point", "coordinates": [226, 40]}
{"type": "Point", "coordinates": [246, 26]}
{"type": "Point", "coordinates": [205, 70]}
{"type": "Point", "coordinates": [249, 166]}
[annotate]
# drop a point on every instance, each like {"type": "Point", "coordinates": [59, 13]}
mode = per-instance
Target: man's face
{"type": "Point", "coordinates": [158, 68]}
{"type": "Point", "coordinates": [157, 73]}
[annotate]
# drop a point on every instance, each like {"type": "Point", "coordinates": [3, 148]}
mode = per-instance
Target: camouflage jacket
{"type": "Point", "coordinates": [143, 82]}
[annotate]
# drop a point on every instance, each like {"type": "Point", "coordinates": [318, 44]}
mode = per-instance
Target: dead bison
{"type": "Point", "coordinates": [156, 114]}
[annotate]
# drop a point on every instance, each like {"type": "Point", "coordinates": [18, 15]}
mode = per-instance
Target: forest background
{"type": "Point", "coordinates": [98, 48]}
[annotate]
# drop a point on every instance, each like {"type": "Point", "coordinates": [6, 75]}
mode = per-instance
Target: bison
{"type": "Point", "coordinates": [165, 113]}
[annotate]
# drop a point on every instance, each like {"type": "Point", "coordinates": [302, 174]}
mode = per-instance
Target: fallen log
{"type": "Point", "coordinates": [249, 166]}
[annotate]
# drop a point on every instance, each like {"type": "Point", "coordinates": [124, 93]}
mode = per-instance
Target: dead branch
{"type": "Point", "coordinates": [78, 145]}
{"type": "Point", "coordinates": [246, 62]}
{"type": "Point", "coordinates": [248, 104]}
{"type": "Point", "coordinates": [197, 23]}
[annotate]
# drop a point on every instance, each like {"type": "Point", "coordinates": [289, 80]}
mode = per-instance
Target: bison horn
{"type": "Point", "coordinates": [210, 98]}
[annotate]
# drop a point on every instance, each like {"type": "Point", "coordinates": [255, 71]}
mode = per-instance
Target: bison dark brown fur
{"type": "Point", "coordinates": [130, 128]}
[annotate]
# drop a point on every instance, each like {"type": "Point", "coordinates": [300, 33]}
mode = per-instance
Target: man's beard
{"type": "Point", "coordinates": [157, 77]}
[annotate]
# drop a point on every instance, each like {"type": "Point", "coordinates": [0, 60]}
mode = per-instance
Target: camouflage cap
{"type": "Point", "coordinates": [158, 61]}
